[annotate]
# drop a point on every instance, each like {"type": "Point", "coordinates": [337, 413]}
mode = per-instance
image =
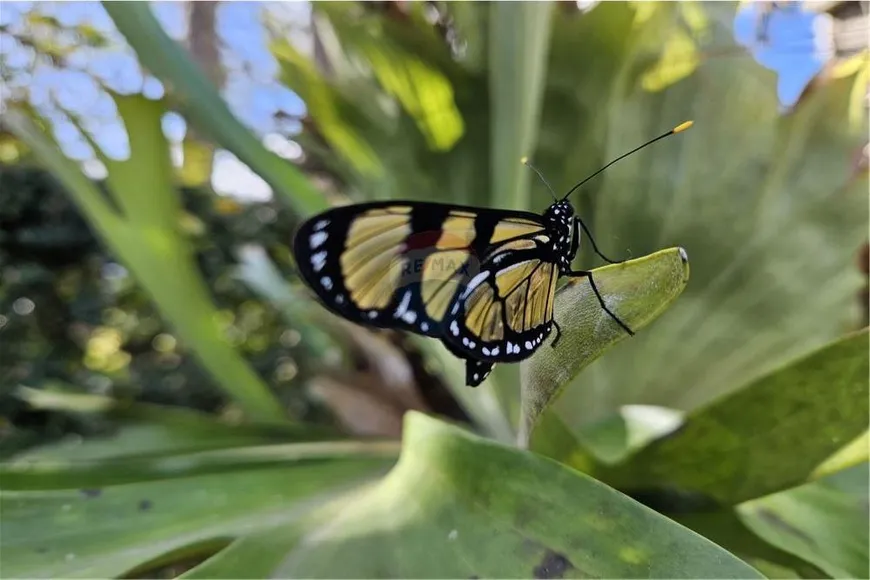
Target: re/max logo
{"type": "Point", "coordinates": [436, 255]}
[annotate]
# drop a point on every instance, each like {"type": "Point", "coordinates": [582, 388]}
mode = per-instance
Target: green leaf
{"type": "Point", "coordinates": [148, 430]}
{"type": "Point", "coordinates": [858, 451]}
{"type": "Point", "coordinates": [519, 38]}
{"type": "Point", "coordinates": [637, 291]}
{"type": "Point", "coordinates": [743, 446]}
{"type": "Point", "coordinates": [824, 522]}
{"type": "Point", "coordinates": [726, 528]}
{"type": "Point", "coordinates": [458, 506]}
{"type": "Point", "coordinates": [203, 106]}
{"type": "Point", "coordinates": [106, 507]}
{"type": "Point", "coordinates": [763, 200]}
{"type": "Point", "coordinates": [254, 556]}
{"type": "Point", "coordinates": [46, 471]}
{"type": "Point", "coordinates": [108, 531]}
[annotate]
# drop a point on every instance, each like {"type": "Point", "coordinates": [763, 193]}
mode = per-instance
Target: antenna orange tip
{"type": "Point", "coordinates": [683, 126]}
{"type": "Point", "coordinates": [524, 160]}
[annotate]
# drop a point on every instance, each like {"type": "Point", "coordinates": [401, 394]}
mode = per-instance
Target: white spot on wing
{"type": "Point", "coordinates": [317, 239]}
{"type": "Point", "coordinates": [326, 282]}
{"type": "Point", "coordinates": [403, 305]}
{"type": "Point", "coordinates": [318, 260]}
{"type": "Point", "coordinates": [321, 224]}
{"type": "Point", "coordinates": [409, 316]}
{"type": "Point", "coordinates": [454, 328]}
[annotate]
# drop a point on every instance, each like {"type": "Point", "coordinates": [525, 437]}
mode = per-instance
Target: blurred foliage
{"type": "Point", "coordinates": [71, 313]}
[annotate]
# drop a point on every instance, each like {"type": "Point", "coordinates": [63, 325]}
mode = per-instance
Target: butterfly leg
{"type": "Point", "coordinates": [587, 274]}
{"type": "Point", "coordinates": [558, 334]}
{"type": "Point", "coordinates": [592, 241]}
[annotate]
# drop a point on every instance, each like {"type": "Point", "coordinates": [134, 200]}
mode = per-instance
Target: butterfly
{"type": "Point", "coordinates": [482, 281]}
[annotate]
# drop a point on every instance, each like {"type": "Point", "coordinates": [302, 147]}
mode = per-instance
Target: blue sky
{"type": "Point", "coordinates": [252, 90]}
{"type": "Point", "coordinates": [792, 51]}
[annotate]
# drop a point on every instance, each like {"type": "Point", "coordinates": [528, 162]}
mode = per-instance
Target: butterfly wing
{"type": "Point", "coordinates": [476, 371]}
{"type": "Point", "coordinates": [506, 311]}
{"type": "Point", "coordinates": [401, 264]}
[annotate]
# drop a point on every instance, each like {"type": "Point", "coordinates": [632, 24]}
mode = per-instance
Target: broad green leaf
{"type": "Point", "coordinates": [763, 200]}
{"type": "Point", "coordinates": [824, 522]}
{"type": "Point", "coordinates": [743, 446]}
{"type": "Point", "coordinates": [725, 527]}
{"type": "Point", "coordinates": [147, 240]}
{"type": "Point", "coordinates": [458, 506]}
{"type": "Point", "coordinates": [148, 430]}
{"type": "Point", "coordinates": [203, 106]}
{"type": "Point", "coordinates": [172, 484]}
{"type": "Point", "coordinates": [254, 556]}
{"type": "Point", "coordinates": [107, 531]}
{"type": "Point", "coordinates": [637, 291]}
{"type": "Point", "coordinates": [35, 471]}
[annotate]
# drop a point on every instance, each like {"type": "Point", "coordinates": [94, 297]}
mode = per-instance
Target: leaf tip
{"type": "Point", "coordinates": [683, 255]}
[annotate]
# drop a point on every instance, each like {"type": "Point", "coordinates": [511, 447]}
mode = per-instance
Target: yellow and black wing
{"type": "Point", "coordinates": [505, 312]}
{"type": "Point", "coordinates": [403, 264]}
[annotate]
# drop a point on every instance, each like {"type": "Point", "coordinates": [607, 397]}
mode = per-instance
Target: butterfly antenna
{"type": "Point", "coordinates": [678, 129]}
{"type": "Point", "coordinates": [526, 162]}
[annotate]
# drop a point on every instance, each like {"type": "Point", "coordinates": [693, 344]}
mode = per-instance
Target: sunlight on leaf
{"type": "Point", "coordinates": [679, 60]}
{"type": "Point", "coordinates": [423, 90]}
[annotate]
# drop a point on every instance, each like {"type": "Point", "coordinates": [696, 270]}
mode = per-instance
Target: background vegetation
{"type": "Point", "coordinates": [174, 403]}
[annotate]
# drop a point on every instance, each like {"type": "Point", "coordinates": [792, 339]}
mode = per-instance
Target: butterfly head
{"type": "Point", "coordinates": [560, 222]}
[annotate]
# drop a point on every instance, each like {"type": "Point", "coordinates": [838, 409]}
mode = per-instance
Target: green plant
{"type": "Point", "coordinates": [753, 351]}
